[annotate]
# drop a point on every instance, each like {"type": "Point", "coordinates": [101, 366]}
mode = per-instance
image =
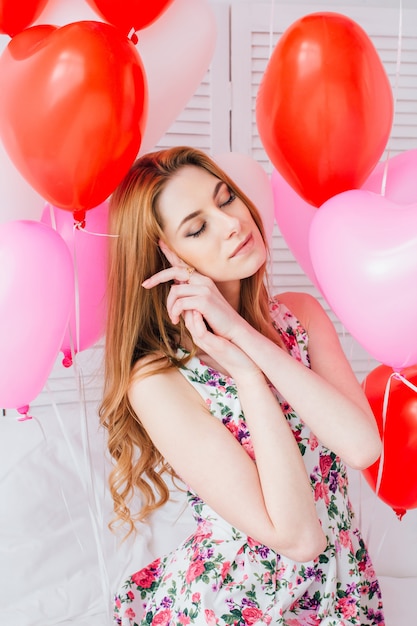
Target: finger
{"type": "Point", "coordinates": [180, 274]}
{"type": "Point", "coordinates": [177, 308]}
{"type": "Point", "coordinates": [194, 321]}
{"type": "Point", "coordinates": [171, 256]}
{"type": "Point", "coordinates": [200, 328]}
{"type": "Point", "coordinates": [209, 342]}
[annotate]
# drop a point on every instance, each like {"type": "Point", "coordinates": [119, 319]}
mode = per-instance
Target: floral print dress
{"type": "Point", "coordinates": [220, 576]}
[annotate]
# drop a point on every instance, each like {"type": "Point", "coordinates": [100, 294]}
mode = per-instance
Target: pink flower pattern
{"type": "Point", "coordinates": [219, 576]}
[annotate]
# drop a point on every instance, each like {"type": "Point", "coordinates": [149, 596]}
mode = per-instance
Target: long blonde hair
{"type": "Point", "coordinates": [138, 324]}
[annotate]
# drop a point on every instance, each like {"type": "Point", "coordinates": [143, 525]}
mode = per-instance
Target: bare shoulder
{"type": "Point", "coordinates": [153, 378]}
{"type": "Point", "coordinates": [306, 308]}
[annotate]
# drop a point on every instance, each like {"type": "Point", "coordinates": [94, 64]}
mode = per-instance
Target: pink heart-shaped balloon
{"type": "Point", "coordinates": [364, 252]}
{"type": "Point", "coordinates": [399, 172]}
{"type": "Point", "coordinates": [294, 215]}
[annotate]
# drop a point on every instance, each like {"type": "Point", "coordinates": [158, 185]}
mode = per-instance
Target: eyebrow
{"type": "Point", "coordinates": [190, 216]}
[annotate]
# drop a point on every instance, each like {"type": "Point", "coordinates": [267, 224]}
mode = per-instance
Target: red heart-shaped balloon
{"type": "Point", "coordinates": [397, 485]}
{"type": "Point", "coordinates": [324, 108]}
{"type": "Point", "coordinates": [72, 110]}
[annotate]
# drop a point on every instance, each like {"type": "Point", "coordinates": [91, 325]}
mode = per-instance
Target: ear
{"type": "Point", "coordinates": [170, 255]}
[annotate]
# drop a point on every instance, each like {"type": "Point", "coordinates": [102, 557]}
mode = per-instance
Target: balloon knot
{"type": "Point", "coordinates": [23, 410]}
{"type": "Point", "coordinates": [133, 36]}
{"type": "Point", "coordinates": [400, 513]}
{"type": "Point", "coordinates": [79, 219]}
{"type": "Point", "coordinates": [67, 360]}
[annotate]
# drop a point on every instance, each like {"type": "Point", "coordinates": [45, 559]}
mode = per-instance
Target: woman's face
{"type": "Point", "coordinates": [209, 227]}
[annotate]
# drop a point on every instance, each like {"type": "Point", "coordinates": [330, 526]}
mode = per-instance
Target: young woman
{"type": "Point", "coordinates": [247, 399]}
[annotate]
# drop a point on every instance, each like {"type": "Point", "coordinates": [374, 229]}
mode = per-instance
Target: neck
{"type": "Point", "coordinates": [230, 292]}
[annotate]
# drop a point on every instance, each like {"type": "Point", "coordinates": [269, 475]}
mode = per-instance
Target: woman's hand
{"type": "Point", "coordinates": [232, 359]}
{"type": "Point", "coordinates": [192, 291]}
{"type": "Point", "coordinates": [197, 300]}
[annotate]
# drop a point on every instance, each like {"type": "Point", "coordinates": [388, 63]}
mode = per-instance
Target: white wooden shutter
{"type": "Point", "coordinates": [255, 30]}
{"type": "Point", "coordinates": [205, 121]}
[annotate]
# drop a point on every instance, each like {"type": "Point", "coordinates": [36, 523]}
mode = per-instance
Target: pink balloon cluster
{"type": "Point", "coordinates": [360, 249]}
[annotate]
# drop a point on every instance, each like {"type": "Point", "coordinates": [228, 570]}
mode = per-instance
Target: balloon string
{"type": "Point", "coordinates": [396, 83]}
{"type": "Point", "coordinates": [78, 226]}
{"type": "Point", "coordinates": [376, 552]}
{"type": "Point", "coordinates": [399, 376]}
{"type": "Point", "coordinates": [52, 215]}
{"type": "Point", "coordinates": [84, 433]}
{"type": "Point", "coordinates": [410, 385]}
{"type": "Point", "coordinates": [271, 28]}
{"type": "Point", "coordinates": [384, 419]}
{"type": "Point", "coordinates": [99, 516]}
{"type": "Point", "coordinates": [76, 297]}
{"type": "Point", "coordinates": [88, 488]}
{"type": "Point", "coordinates": [67, 361]}
{"type": "Point", "coordinates": [68, 509]}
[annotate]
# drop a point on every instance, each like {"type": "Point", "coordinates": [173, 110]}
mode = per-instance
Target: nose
{"type": "Point", "coordinates": [230, 225]}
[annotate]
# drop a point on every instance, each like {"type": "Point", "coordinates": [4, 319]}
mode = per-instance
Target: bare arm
{"type": "Point", "coordinates": [328, 397]}
{"type": "Point", "coordinates": [270, 500]}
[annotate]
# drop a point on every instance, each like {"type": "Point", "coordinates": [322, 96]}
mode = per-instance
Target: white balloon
{"type": "Point", "coordinates": [253, 180]}
{"type": "Point", "coordinates": [176, 51]}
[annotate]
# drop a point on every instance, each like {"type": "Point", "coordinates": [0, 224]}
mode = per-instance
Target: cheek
{"type": "Point", "coordinates": [207, 258]}
{"type": "Point", "coordinates": [195, 255]}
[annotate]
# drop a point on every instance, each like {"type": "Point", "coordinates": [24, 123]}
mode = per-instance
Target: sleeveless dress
{"type": "Point", "coordinates": [220, 576]}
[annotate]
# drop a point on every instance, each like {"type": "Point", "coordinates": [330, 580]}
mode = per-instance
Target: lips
{"type": "Point", "coordinates": [242, 245]}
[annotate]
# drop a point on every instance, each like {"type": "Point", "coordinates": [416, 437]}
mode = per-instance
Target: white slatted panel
{"type": "Point", "coordinates": [256, 27]}
{"type": "Point", "coordinates": [193, 126]}
{"type": "Point", "coordinates": [205, 122]}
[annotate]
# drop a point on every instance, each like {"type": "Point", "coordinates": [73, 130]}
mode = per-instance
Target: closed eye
{"type": "Point", "coordinates": [198, 232]}
{"type": "Point", "coordinates": [222, 204]}
{"type": "Point", "coordinates": [231, 196]}
{"type": "Point", "coordinates": [229, 200]}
